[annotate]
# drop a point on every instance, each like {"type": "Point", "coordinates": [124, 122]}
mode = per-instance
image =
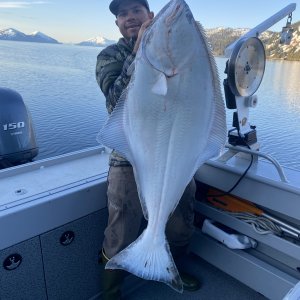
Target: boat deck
{"type": "Point", "coordinates": [215, 285]}
{"type": "Point", "coordinates": [34, 180]}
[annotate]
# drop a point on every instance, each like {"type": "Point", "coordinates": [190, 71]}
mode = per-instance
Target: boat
{"type": "Point", "coordinates": [53, 213]}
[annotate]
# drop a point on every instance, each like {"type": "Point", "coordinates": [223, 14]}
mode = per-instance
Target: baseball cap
{"type": "Point", "coordinates": [114, 5]}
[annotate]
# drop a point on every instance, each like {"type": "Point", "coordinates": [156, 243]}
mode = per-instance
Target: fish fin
{"type": "Point", "coordinates": [200, 27]}
{"type": "Point", "coordinates": [149, 260]}
{"type": "Point", "coordinates": [160, 87]}
{"type": "Point", "coordinates": [215, 143]}
{"type": "Point", "coordinates": [218, 128]}
{"type": "Point", "coordinates": [112, 134]}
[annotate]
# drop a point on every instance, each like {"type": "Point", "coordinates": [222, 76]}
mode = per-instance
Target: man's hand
{"type": "Point", "coordinates": [140, 34]}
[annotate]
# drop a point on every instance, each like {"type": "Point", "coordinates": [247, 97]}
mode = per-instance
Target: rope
{"type": "Point", "coordinates": [261, 225]}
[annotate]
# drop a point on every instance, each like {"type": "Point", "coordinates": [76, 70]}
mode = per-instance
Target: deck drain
{"type": "Point", "coordinates": [20, 192]}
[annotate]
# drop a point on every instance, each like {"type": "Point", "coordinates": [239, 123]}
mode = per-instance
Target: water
{"type": "Point", "coordinates": [57, 82]}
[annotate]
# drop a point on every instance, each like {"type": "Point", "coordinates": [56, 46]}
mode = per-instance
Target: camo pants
{"type": "Point", "coordinates": [126, 220]}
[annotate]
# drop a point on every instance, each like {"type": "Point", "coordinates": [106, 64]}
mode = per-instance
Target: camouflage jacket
{"type": "Point", "coordinates": [111, 75]}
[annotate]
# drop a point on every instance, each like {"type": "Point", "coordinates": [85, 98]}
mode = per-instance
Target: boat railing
{"type": "Point", "coordinates": [277, 165]}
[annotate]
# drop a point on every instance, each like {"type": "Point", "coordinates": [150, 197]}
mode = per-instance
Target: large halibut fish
{"type": "Point", "coordinates": [167, 123]}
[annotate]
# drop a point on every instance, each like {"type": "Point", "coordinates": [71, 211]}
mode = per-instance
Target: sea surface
{"type": "Point", "coordinates": [58, 85]}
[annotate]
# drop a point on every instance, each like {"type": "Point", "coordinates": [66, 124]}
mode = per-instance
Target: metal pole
{"type": "Point", "coordinates": [256, 31]}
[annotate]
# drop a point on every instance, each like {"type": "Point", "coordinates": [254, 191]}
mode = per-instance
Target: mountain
{"type": "Point", "coordinates": [40, 37]}
{"type": "Point", "coordinates": [98, 41]}
{"type": "Point", "coordinates": [287, 52]}
{"type": "Point", "coordinates": [220, 38]}
{"type": "Point", "coordinates": [11, 34]}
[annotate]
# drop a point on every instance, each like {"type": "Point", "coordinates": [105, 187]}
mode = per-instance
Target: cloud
{"type": "Point", "coordinates": [19, 4]}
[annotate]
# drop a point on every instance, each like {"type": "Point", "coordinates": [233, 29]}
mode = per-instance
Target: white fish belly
{"type": "Point", "coordinates": [168, 134]}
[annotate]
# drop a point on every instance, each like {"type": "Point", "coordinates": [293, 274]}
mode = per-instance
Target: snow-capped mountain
{"type": "Point", "coordinates": [12, 34]}
{"type": "Point", "coordinates": [98, 41]}
{"type": "Point", "coordinates": [221, 37]}
{"type": "Point", "coordinates": [40, 37]}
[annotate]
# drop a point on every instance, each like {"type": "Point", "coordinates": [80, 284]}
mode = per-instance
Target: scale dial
{"type": "Point", "coordinates": [246, 67]}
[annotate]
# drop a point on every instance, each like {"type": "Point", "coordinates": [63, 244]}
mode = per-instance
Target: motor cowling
{"type": "Point", "coordinates": [17, 138]}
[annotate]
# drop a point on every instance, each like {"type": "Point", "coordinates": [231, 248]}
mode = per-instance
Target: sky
{"type": "Point", "coordinates": [72, 21]}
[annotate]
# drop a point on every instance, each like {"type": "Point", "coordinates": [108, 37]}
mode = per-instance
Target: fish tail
{"type": "Point", "coordinates": [148, 260]}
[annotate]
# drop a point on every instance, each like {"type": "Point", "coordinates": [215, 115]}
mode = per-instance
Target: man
{"type": "Point", "coordinates": [125, 212]}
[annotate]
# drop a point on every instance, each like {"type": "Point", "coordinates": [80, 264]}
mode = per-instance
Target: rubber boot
{"type": "Point", "coordinates": [190, 283]}
{"type": "Point", "coordinates": [111, 282]}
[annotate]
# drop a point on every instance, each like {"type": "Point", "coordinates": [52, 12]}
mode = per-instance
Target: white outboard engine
{"type": "Point", "coordinates": [17, 139]}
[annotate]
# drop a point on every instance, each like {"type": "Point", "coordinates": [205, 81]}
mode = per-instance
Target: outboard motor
{"type": "Point", "coordinates": [17, 139]}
